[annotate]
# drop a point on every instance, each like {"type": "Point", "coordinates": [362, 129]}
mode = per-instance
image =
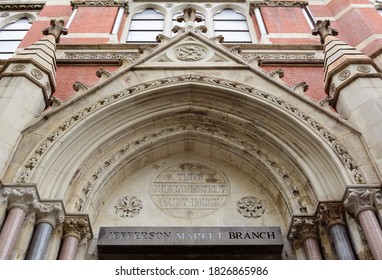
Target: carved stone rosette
{"type": "Point", "coordinates": [304, 228]}
{"type": "Point", "coordinates": [21, 197]}
{"type": "Point", "coordinates": [49, 212]}
{"type": "Point", "coordinates": [77, 226]}
{"type": "Point", "coordinates": [331, 214]}
{"type": "Point", "coordinates": [360, 200]}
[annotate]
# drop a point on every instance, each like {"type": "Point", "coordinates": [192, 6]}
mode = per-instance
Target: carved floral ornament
{"type": "Point", "coordinates": [100, 3]}
{"type": "Point", "coordinates": [275, 3]}
{"type": "Point", "coordinates": [359, 200]}
{"type": "Point", "coordinates": [32, 162]}
{"type": "Point", "coordinates": [78, 227]}
{"type": "Point", "coordinates": [304, 228]}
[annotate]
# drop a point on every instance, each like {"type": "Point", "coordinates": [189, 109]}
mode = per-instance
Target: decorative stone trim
{"type": "Point", "coordinates": [49, 212]}
{"type": "Point", "coordinates": [101, 55]}
{"type": "Point", "coordinates": [275, 3]}
{"type": "Point", "coordinates": [17, 7]}
{"type": "Point", "coordinates": [304, 228]}
{"type": "Point", "coordinates": [77, 226]}
{"type": "Point", "coordinates": [100, 3]}
{"type": "Point", "coordinates": [250, 207]}
{"type": "Point", "coordinates": [331, 214]}
{"type": "Point", "coordinates": [25, 172]}
{"type": "Point", "coordinates": [24, 197]}
{"type": "Point", "coordinates": [358, 200]}
{"type": "Point", "coordinates": [128, 207]}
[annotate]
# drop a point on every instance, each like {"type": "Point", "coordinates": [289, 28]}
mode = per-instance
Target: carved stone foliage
{"type": "Point", "coordinates": [31, 163]}
{"type": "Point", "coordinates": [128, 207]}
{"type": "Point", "coordinates": [99, 3]}
{"type": "Point", "coordinates": [77, 226]}
{"type": "Point", "coordinates": [331, 214]}
{"type": "Point", "coordinates": [304, 228]}
{"type": "Point", "coordinates": [50, 212]}
{"type": "Point", "coordinates": [23, 6]}
{"type": "Point", "coordinates": [358, 200]}
{"type": "Point", "coordinates": [21, 197]}
{"type": "Point", "coordinates": [190, 53]}
{"type": "Point", "coordinates": [130, 57]}
{"type": "Point", "coordinates": [250, 207]}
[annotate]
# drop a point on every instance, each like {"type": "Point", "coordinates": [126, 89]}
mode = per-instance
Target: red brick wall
{"type": "Point", "coordinates": [284, 20]}
{"type": "Point", "coordinates": [313, 76]}
{"type": "Point", "coordinates": [68, 75]}
{"type": "Point", "coordinates": [94, 20]}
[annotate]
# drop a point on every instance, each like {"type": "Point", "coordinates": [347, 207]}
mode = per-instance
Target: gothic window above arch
{"type": "Point", "coordinates": [232, 25]}
{"type": "Point", "coordinates": [145, 26]}
{"type": "Point", "coordinates": [11, 36]}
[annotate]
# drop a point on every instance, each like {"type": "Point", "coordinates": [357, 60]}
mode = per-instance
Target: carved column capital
{"type": "Point", "coordinates": [19, 196]}
{"type": "Point", "coordinates": [358, 200]}
{"type": "Point", "coordinates": [303, 228]}
{"type": "Point", "coordinates": [77, 226]}
{"type": "Point", "coordinates": [331, 214]}
{"type": "Point", "coordinates": [49, 212]}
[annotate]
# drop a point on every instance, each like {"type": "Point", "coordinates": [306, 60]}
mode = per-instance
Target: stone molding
{"type": "Point", "coordinates": [19, 7]}
{"type": "Point", "coordinates": [77, 226]}
{"type": "Point", "coordinates": [18, 196]}
{"type": "Point", "coordinates": [24, 172]}
{"type": "Point", "coordinates": [100, 3]}
{"type": "Point", "coordinates": [303, 228]}
{"type": "Point", "coordinates": [358, 200]}
{"type": "Point", "coordinates": [49, 212]}
{"type": "Point", "coordinates": [275, 3]}
{"type": "Point", "coordinates": [331, 214]}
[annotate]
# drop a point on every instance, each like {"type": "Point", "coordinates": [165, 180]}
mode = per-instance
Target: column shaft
{"type": "Point", "coordinates": [341, 242]}
{"type": "Point", "coordinates": [372, 232]}
{"type": "Point", "coordinates": [10, 231]}
{"type": "Point", "coordinates": [312, 249]}
{"type": "Point", "coordinates": [69, 248]}
{"type": "Point", "coordinates": [40, 241]}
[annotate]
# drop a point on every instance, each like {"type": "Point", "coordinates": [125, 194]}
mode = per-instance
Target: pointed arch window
{"type": "Point", "coordinates": [232, 25]}
{"type": "Point", "coordinates": [145, 26]}
{"type": "Point", "coordinates": [11, 36]}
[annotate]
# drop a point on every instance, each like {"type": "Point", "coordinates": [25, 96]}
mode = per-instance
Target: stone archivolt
{"type": "Point", "coordinates": [340, 150]}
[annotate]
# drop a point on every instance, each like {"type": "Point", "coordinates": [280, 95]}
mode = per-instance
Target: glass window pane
{"type": "Point", "coordinates": [230, 25]}
{"type": "Point", "coordinates": [229, 14]}
{"type": "Point", "coordinates": [20, 24]}
{"type": "Point", "coordinates": [9, 46]}
{"type": "Point", "coordinates": [142, 36]}
{"type": "Point", "coordinates": [147, 25]}
{"type": "Point", "coordinates": [12, 35]}
{"type": "Point", "coordinates": [235, 36]}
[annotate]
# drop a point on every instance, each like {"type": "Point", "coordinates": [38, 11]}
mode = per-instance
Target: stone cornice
{"type": "Point", "coordinates": [100, 3]}
{"type": "Point", "coordinates": [278, 4]}
{"type": "Point", "coordinates": [21, 6]}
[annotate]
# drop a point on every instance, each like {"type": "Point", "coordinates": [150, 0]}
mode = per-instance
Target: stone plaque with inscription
{"type": "Point", "coordinates": [167, 242]}
{"type": "Point", "coordinates": [189, 190]}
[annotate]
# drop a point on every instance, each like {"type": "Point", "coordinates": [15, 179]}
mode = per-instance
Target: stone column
{"type": "Point", "coordinates": [75, 229]}
{"type": "Point", "coordinates": [305, 229]}
{"type": "Point", "coordinates": [48, 216]}
{"type": "Point", "coordinates": [332, 216]}
{"type": "Point", "coordinates": [20, 201]}
{"type": "Point", "coordinates": [360, 203]}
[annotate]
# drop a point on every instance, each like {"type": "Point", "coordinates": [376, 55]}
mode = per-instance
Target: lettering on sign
{"type": "Point", "coordinates": [189, 190]}
{"type": "Point", "coordinates": [189, 236]}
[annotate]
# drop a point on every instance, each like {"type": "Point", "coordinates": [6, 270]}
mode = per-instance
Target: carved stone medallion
{"type": "Point", "coordinates": [37, 74]}
{"type": "Point", "coordinates": [250, 207]}
{"type": "Point", "coordinates": [128, 207]}
{"type": "Point", "coordinates": [18, 68]}
{"type": "Point", "coordinates": [363, 69]}
{"type": "Point", "coordinates": [190, 53]}
{"type": "Point", "coordinates": [189, 190]}
{"type": "Point", "coordinates": [344, 75]}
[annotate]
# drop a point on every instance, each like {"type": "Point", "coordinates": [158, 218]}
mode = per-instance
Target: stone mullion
{"type": "Point", "coordinates": [305, 229]}
{"type": "Point", "coordinates": [20, 200]}
{"type": "Point", "coordinates": [360, 203]}
{"type": "Point", "coordinates": [332, 215]}
{"type": "Point", "coordinates": [75, 228]}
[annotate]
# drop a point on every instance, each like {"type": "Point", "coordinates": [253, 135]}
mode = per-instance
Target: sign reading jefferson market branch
{"type": "Point", "coordinates": [190, 236]}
